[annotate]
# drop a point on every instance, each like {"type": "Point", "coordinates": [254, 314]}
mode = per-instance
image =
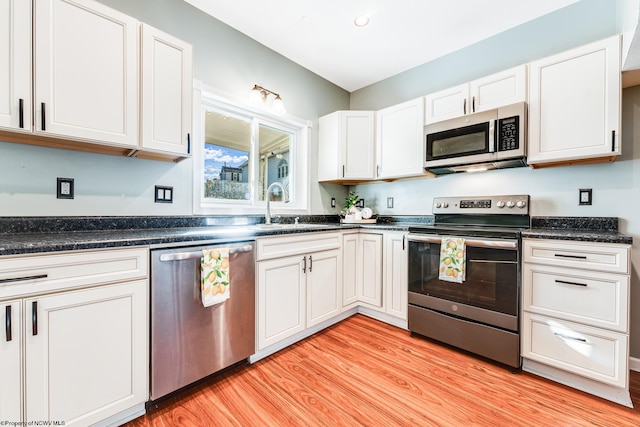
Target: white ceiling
{"type": "Point", "coordinates": [402, 34]}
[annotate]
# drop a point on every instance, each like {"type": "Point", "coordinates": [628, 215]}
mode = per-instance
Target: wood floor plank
{"type": "Point", "coordinates": [362, 372]}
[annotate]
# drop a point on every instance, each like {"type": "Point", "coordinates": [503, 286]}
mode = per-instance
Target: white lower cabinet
{"type": "Point", "coordinates": [395, 259]}
{"type": "Point", "coordinates": [362, 269]}
{"type": "Point", "coordinates": [375, 275]}
{"type": "Point", "coordinates": [76, 355]}
{"type": "Point", "coordinates": [297, 292]}
{"type": "Point", "coordinates": [11, 390]}
{"type": "Point", "coordinates": [575, 323]}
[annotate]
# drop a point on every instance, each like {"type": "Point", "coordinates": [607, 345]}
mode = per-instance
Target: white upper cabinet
{"type": "Point", "coordinates": [86, 72]}
{"type": "Point", "coordinates": [15, 65]}
{"type": "Point", "coordinates": [574, 104]}
{"type": "Point", "coordinates": [400, 146]}
{"type": "Point", "coordinates": [166, 92]}
{"type": "Point", "coordinates": [503, 88]}
{"type": "Point", "coordinates": [346, 146]}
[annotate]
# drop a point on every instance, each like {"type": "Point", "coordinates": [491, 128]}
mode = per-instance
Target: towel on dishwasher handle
{"type": "Point", "coordinates": [453, 259]}
{"type": "Point", "coordinates": [214, 276]}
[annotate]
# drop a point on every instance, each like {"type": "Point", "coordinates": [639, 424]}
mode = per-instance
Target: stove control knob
{"type": "Point", "coordinates": [445, 205]}
{"type": "Point", "coordinates": [438, 204]}
{"type": "Point", "coordinates": [510, 204]}
{"type": "Point", "coordinates": [500, 204]}
{"type": "Point", "coordinates": [521, 204]}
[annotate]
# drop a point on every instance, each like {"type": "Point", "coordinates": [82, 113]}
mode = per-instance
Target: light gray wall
{"type": "Point", "coordinates": [224, 59]}
{"type": "Point", "coordinates": [554, 191]}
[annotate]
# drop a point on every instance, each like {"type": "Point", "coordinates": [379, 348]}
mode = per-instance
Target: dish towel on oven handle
{"type": "Point", "coordinates": [214, 276]}
{"type": "Point", "coordinates": [453, 259]}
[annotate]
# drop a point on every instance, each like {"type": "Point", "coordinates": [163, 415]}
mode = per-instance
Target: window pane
{"type": "Point", "coordinates": [226, 157]}
{"type": "Point", "coordinates": [275, 163]}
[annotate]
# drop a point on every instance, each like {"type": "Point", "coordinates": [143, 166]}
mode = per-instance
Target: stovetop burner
{"type": "Point", "coordinates": [479, 216]}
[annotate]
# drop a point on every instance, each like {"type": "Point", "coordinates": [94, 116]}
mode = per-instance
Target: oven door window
{"type": "Point", "coordinates": [459, 142]}
{"type": "Point", "coordinates": [491, 277]}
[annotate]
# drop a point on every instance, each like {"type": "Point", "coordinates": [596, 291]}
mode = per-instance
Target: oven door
{"type": "Point", "coordinates": [490, 292]}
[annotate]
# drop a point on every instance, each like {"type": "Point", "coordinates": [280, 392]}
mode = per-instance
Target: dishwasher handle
{"type": "Point", "coordinates": [179, 256]}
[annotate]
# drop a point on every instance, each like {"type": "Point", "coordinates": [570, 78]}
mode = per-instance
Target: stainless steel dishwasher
{"type": "Point", "coordinates": [190, 341]}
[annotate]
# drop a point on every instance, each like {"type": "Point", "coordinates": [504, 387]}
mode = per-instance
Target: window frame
{"type": "Point", "coordinates": [206, 98]}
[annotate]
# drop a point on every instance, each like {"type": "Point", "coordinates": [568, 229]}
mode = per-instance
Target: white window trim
{"type": "Point", "coordinates": [301, 185]}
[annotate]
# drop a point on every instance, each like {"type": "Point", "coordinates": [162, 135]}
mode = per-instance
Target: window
{"type": "Point", "coordinates": [240, 152]}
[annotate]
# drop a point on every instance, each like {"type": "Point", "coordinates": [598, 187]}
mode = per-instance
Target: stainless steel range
{"type": "Point", "coordinates": [480, 312]}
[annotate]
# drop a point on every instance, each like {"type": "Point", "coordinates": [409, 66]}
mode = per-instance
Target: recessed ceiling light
{"type": "Point", "coordinates": [361, 21]}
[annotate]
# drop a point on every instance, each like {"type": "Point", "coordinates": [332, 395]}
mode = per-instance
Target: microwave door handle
{"type": "Point", "coordinates": [492, 136]}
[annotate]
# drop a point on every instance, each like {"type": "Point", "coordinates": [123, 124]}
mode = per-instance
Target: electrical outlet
{"type": "Point", "coordinates": [390, 202]}
{"type": "Point", "coordinates": [333, 202]}
{"type": "Point", "coordinates": [64, 188]}
{"type": "Point", "coordinates": [163, 194]}
{"type": "Point", "coordinates": [585, 196]}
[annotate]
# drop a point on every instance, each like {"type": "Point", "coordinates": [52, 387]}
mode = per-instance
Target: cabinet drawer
{"type": "Point", "coordinates": [591, 297]}
{"type": "Point", "coordinates": [276, 247]}
{"type": "Point", "coordinates": [591, 352]}
{"type": "Point", "coordinates": [610, 257]}
{"type": "Point", "coordinates": [38, 273]}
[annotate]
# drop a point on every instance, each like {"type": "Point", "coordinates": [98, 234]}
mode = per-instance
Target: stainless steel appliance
{"type": "Point", "coordinates": [493, 139]}
{"type": "Point", "coordinates": [190, 341]}
{"type": "Point", "coordinates": [480, 315]}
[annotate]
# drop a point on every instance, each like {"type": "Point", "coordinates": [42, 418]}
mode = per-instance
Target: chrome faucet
{"type": "Point", "coordinates": [285, 197]}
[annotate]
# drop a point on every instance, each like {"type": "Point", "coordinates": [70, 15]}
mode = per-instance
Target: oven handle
{"type": "Point", "coordinates": [484, 243]}
{"type": "Point", "coordinates": [179, 256]}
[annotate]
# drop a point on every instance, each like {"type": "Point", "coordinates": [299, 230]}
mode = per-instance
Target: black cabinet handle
{"type": "Point", "coordinates": [564, 282]}
{"type": "Point", "coordinates": [20, 279]}
{"type": "Point", "coordinates": [310, 263]}
{"type": "Point", "coordinates": [7, 321]}
{"type": "Point", "coordinates": [304, 264]}
{"type": "Point", "coordinates": [21, 114]}
{"type": "Point", "coordinates": [473, 104]}
{"type": "Point", "coordinates": [570, 256]}
{"type": "Point", "coordinates": [464, 106]}
{"type": "Point", "coordinates": [43, 116]}
{"type": "Point", "coordinates": [613, 140]}
{"type": "Point", "coordinates": [188, 143]}
{"type": "Point", "coordinates": [343, 171]}
{"type": "Point", "coordinates": [34, 318]}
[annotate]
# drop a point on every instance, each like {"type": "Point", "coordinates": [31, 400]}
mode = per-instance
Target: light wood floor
{"type": "Point", "coordinates": [362, 372]}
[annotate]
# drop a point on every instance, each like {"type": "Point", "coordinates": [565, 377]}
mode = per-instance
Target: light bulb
{"type": "Point", "coordinates": [255, 96]}
{"type": "Point", "coordinates": [278, 106]}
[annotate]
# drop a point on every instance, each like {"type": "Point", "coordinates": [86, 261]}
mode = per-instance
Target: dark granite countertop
{"type": "Point", "coordinates": [583, 229]}
{"type": "Point", "coordinates": [55, 234]}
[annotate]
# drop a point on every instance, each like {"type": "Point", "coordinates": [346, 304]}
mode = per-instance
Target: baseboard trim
{"type": "Point", "coordinates": [634, 364]}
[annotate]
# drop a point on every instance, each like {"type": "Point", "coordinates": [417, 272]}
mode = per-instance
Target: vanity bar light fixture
{"type": "Point", "coordinates": [259, 96]}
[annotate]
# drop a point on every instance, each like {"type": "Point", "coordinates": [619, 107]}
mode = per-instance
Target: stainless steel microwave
{"type": "Point", "coordinates": [492, 139]}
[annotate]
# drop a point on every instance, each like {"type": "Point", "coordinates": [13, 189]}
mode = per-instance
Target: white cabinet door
{"type": "Point", "coordinates": [15, 65]}
{"type": "Point", "coordinates": [447, 104]}
{"type": "Point", "coordinates": [346, 146]}
{"type": "Point", "coordinates": [486, 93]}
{"type": "Point", "coordinates": [395, 274]}
{"type": "Point", "coordinates": [324, 286]}
{"type": "Point", "coordinates": [86, 353]}
{"type": "Point", "coordinates": [86, 72]}
{"type": "Point", "coordinates": [167, 86]}
{"type": "Point", "coordinates": [11, 361]}
{"type": "Point", "coordinates": [499, 89]}
{"type": "Point", "coordinates": [401, 150]}
{"type": "Point", "coordinates": [281, 299]}
{"type": "Point", "coordinates": [574, 104]}
{"type": "Point", "coordinates": [350, 269]}
{"type": "Point", "coordinates": [370, 269]}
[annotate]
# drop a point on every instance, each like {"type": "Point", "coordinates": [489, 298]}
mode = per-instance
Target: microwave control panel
{"type": "Point", "coordinates": [508, 133]}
